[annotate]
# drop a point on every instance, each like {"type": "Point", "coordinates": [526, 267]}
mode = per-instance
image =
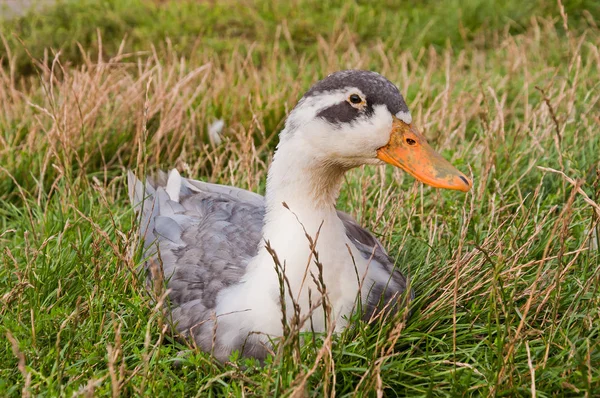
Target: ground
{"type": "Point", "coordinates": [507, 277]}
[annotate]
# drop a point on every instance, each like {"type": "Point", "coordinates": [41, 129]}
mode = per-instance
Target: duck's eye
{"type": "Point", "coordinates": [410, 141]}
{"type": "Point", "coordinates": [355, 99]}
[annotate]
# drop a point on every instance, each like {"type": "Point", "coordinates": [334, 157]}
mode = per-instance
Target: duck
{"type": "Point", "coordinates": [238, 265]}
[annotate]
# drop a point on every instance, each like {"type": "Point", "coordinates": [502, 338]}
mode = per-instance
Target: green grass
{"type": "Point", "coordinates": [220, 27]}
{"type": "Point", "coordinates": [507, 279]}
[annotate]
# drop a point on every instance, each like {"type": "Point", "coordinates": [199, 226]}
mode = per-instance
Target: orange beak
{"type": "Point", "coordinates": [409, 150]}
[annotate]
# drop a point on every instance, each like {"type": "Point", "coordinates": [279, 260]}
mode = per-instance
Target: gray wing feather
{"type": "Point", "coordinates": [142, 198]}
{"type": "Point", "coordinates": [386, 294]}
{"type": "Point", "coordinates": [205, 239]}
{"type": "Point", "coordinates": [234, 192]}
{"type": "Point", "coordinates": [168, 228]}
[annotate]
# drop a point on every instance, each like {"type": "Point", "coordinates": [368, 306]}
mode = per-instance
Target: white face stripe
{"type": "Point", "coordinates": [324, 100]}
{"type": "Point", "coordinates": [404, 116]}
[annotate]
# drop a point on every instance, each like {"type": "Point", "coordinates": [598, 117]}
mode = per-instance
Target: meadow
{"type": "Point", "coordinates": [507, 277]}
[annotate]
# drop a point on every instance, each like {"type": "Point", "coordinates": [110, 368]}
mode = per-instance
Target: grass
{"type": "Point", "coordinates": [507, 277]}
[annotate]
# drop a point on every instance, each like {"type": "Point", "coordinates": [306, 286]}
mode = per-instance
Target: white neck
{"type": "Point", "coordinates": [309, 188]}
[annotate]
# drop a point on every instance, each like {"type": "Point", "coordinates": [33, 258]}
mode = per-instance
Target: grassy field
{"type": "Point", "coordinates": [507, 277]}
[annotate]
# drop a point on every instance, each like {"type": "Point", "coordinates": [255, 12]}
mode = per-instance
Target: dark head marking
{"type": "Point", "coordinates": [377, 89]}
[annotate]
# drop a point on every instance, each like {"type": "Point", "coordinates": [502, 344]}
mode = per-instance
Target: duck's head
{"type": "Point", "coordinates": [357, 117]}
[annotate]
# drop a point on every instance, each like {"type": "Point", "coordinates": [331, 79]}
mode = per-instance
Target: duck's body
{"type": "Point", "coordinates": [217, 244]}
{"type": "Point", "coordinates": [209, 238]}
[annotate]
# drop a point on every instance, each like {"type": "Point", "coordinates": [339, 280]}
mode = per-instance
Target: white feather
{"type": "Point", "coordinates": [406, 117]}
{"type": "Point", "coordinates": [173, 185]}
{"type": "Point", "coordinates": [214, 132]}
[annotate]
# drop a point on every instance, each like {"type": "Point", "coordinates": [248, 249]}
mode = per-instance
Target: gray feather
{"type": "Point", "coordinates": [387, 295]}
{"type": "Point", "coordinates": [168, 228]}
